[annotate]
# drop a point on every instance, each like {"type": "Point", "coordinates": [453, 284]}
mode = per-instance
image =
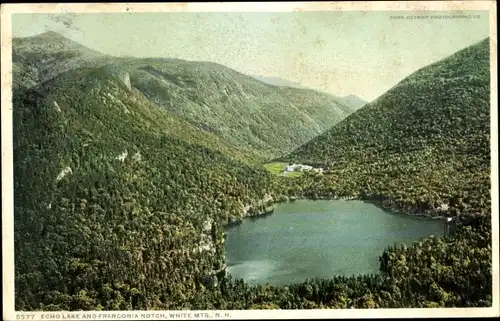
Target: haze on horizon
{"type": "Point", "coordinates": [341, 53]}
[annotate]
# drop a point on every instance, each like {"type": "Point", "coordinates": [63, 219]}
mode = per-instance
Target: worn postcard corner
{"type": "Point", "coordinates": [268, 160]}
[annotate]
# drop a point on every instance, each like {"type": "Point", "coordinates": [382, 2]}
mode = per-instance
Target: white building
{"type": "Point", "coordinates": [305, 168]}
{"type": "Point", "coordinates": [298, 167]}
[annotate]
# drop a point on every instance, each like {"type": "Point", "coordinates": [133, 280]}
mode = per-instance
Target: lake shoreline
{"type": "Point", "coordinates": [303, 234]}
{"type": "Point", "coordinates": [270, 206]}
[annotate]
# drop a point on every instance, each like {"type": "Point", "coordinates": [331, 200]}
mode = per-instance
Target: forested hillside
{"type": "Point", "coordinates": [261, 120]}
{"type": "Point", "coordinates": [423, 147]}
{"type": "Point", "coordinates": [112, 208]}
{"type": "Point", "coordinates": [239, 109]}
{"type": "Point", "coordinates": [122, 204]}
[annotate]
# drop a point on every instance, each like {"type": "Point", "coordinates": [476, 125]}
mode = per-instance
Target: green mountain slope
{"type": "Point", "coordinates": [113, 212]}
{"type": "Point", "coordinates": [39, 58]}
{"type": "Point", "coordinates": [263, 120]}
{"type": "Point", "coordinates": [120, 204]}
{"type": "Point", "coordinates": [424, 146]}
{"type": "Point", "coordinates": [241, 110]}
{"type": "Point", "coordinates": [111, 207]}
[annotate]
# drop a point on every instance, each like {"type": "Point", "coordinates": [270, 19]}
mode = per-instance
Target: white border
{"type": "Point", "coordinates": [7, 165]}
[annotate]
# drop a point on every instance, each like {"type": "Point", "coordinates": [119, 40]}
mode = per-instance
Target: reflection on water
{"type": "Point", "coordinates": [255, 270]}
{"type": "Point", "coordinates": [306, 239]}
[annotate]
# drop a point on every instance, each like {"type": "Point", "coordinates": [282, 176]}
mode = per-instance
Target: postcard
{"type": "Point", "coordinates": [249, 160]}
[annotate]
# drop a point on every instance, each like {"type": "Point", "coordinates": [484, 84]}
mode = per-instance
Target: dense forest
{"type": "Point", "coordinates": [121, 201]}
{"type": "Point", "coordinates": [422, 147]}
{"type": "Point", "coordinates": [107, 200]}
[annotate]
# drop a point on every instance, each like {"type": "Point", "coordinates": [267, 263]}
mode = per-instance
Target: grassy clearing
{"type": "Point", "coordinates": [278, 168]}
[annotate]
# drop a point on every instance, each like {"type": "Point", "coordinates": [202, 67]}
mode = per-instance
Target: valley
{"type": "Point", "coordinates": [258, 120]}
{"type": "Point", "coordinates": [128, 172]}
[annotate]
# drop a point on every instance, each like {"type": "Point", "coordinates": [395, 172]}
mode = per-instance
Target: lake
{"type": "Point", "coordinates": [306, 239]}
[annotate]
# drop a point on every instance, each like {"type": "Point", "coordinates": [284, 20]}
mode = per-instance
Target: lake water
{"type": "Point", "coordinates": [306, 239]}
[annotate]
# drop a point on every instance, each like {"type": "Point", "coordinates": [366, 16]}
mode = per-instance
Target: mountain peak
{"type": "Point", "coordinates": [49, 41]}
{"type": "Point", "coordinates": [51, 33]}
{"type": "Point", "coordinates": [47, 35]}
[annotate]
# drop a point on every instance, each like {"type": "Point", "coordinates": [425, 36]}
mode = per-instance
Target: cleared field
{"type": "Point", "coordinates": [278, 168]}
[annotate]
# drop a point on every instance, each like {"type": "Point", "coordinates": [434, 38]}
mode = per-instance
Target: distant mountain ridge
{"type": "Point", "coordinates": [246, 114]}
{"type": "Point", "coordinates": [352, 101]}
{"type": "Point", "coordinates": [244, 111]}
{"type": "Point", "coordinates": [276, 81]}
{"type": "Point", "coordinates": [39, 58]}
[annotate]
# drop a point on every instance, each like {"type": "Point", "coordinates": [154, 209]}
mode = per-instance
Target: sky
{"type": "Point", "coordinates": [342, 53]}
